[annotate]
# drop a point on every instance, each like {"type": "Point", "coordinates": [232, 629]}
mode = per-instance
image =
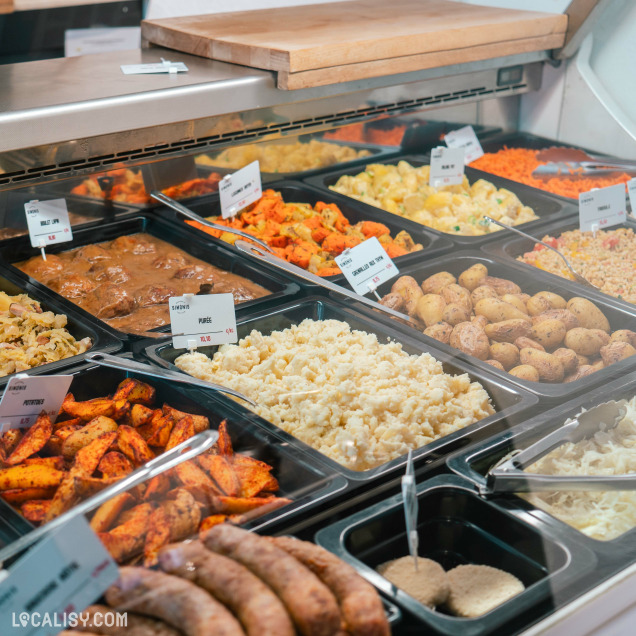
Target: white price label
{"type": "Point", "coordinates": [602, 208]}
{"type": "Point", "coordinates": [366, 266]}
{"type": "Point", "coordinates": [467, 139]}
{"type": "Point", "coordinates": [205, 320]}
{"type": "Point", "coordinates": [47, 588]}
{"type": "Point", "coordinates": [239, 189]}
{"type": "Point", "coordinates": [165, 66]}
{"type": "Point", "coordinates": [447, 167]}
{"type": "Point", "coordinates": [26, 396]}
{"type": "Point", "coordinates": [48, 222]}
{"type": "Point", "coordinates": [631, 190]}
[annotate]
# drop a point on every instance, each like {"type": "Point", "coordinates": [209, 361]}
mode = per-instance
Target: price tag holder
{"type": "Point", "coordinates": [602, 208]}
{"type": "Point", "coordinates": [366, 266]}
{"type": "Point", "coordinates": [239, 189]}
{"type": "Point", "coordinates": [631, 191]}
{"type": "Point", "coordinates": [467, 139]}
{"type": "Point", "coordinates": [165, 66]}
{"type": "Point", "coordinates": [26, 396]}
{"type": "Point", "coordinates": [48, 222]}
{"type": "Point", "coordinates": [203, 320]}
{"type": "Point", "coordinates": [447, 167]}
{"type": "Point", "coordinates": [47, 587]}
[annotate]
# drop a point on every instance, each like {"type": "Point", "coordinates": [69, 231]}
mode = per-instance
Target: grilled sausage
{"type": "Point", "coordinates": [135, 625]}
{"type": "Point", "coordinates": [311, 604]}
{"type": "Point", "coordinates": [360, 604]}
{"type": "Point", "coordinates": [177, 602]}
{"type": "Point", "coordinates": [252, 602]}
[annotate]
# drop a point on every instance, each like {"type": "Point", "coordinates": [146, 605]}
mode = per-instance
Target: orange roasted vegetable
{"type": "Point", "coordinates": [140, 415]}
{"type": "Point", "coordinates": [240, 505]}
{"type": "Point", "coordinates": [35, 510]}
{"type": "Point", "coordinates": [11, 438]}
{"type": "Point", "coordinates": [135, 392]}
{"type": "Point", "coordinates": [127, 539]}
{"type": "Point", "coordinates": [158, 486]}
{"type": "Point", "coordinates": [33, 441]}
{"type": "Point", "coordinates": [33, 476]}
{"type": "Point", "coordinates": [221, 471]}
{"type": "Point", "coordinates": [181, 431]}
{"type": "Point", "coordinates": [133, 445]}
{"type": "Point", "coordinates": [108, 512]}
{"type": "Point", "coordinates": [89, 409]}
{"type": "Point", "coordinates": [210, 522]}
{"type": "Point", "coordinates": [56, 462]}
{"type": "Point", "coordinates": [114, 464]}
{"type": "Point", "coordinates": [201, 422]}
{"type": "Point", "coordinates": [191, 476]}
{"type": "Point", "coordinates": [20, 495]}
{"type": "Point", "coordinates": [224, 442]}
{"type": "Point", "coordinates": [85, 435]}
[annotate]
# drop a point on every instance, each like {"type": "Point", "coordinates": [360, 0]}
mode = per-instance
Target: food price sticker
{"type": "Point", "coordinates": [201, 321]}
{"type": "Point", "coordinates": [46, 589]}
{"type": "Point", "coordinates": [602, 208]}
{"type": "Point", "coordinates": [366, 266]}
{"type": "Point", "coordinates": [467, 139]}
{"type": "Point", "coordinates": [447, 166]}
{"type": "Point", "coordinates": [48, 222]}
{"type": "Point", "coordinates": [239, 189]}
{"type": "Point", "coordinates": [26, 396]}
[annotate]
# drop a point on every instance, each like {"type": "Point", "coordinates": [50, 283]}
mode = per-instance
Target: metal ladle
{"type": "Point", "coordinates": [577, 277]}
{"type": "Point", "coordinates": [193, 216]}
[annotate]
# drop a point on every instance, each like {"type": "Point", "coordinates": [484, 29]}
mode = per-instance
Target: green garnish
{"type": "Point", "coordinates": [499, 201]}
{"type": "Point", "coordinates": [457, 228]}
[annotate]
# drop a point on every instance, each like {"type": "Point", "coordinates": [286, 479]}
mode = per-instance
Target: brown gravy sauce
{"type": "Point", "coordinates": [127, 282]}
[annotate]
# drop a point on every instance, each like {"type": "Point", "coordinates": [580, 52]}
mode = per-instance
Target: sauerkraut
{"type": "Point", "coordinates": [602, 515]}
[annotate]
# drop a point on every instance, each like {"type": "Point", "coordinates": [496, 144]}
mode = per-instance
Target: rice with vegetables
{"type": "Point", "coordinates": [607, 260]}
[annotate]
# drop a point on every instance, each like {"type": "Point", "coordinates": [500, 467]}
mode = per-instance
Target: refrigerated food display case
{"type": "Point", "coordinates": [80, 130]}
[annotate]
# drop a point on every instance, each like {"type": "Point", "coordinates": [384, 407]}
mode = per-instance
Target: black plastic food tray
{"type": "Point", "coordinates": [511, 246]}
{"type": "Point", "coordinates": [78, 325]}
{"type": "Point", "coordinates": [12, 208]}
{"type": "Point", "coordinates": [422, 136]}
{"type": "Point", "coordinates": [377, 152]}
{"type": "Point", "coordinates": [547, 208]}
{"type": "Point", "coordinates": [510, 402]}
{"type": "Point", "coordinates": [534, 142]}
{"type": "Point", "coordinates": [179, 235]}
{"type": "Point", "coordinates": [456, 527]}
{"type": "Point", "coordinates": [475, 462]}
{"type": "Point", "coordinates": [296, 192]}
{"type": "Point", "coordinates": [309, 483]}
{"type": "Point", "coordinates": [620, 317]}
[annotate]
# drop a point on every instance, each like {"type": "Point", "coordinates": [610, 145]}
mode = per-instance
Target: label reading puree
{"type": "Point", "coordinates": [602, 208]}
{"type": "Point", "coordinates": [366, 266]}
{"type": "Point", "coordinates": [447, 166]}
{"type": "Point", "coordinates": [201, 321]}
{"type": "Point", "coordinates": [48, 222]}
{"type": "Point", "coordinates": [26, 396]}
{"type": "Point", "coordinates": [239, 189]}
{"type": "Point", "coordinates": [467, 139]}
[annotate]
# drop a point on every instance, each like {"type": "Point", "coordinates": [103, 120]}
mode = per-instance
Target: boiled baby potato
{"type": "Point", "coordinates": [483, 291]}
{"type": "Point", "coordinates": [548, 366]}
{"type": "Point", "coordinates": [85, 435]}
{"type": "Point", "coordinates": [470, 339]}
{"type": "Point", "coordinates": [441, 331]}
{"type": "Point", "coordinates": [456, 294]}
{"type": "Point", "coordinates": [454, 314]}
{"type": "Point", "coordinates": [435, 283]}
{"type": "Point", "coordinates": [507, 330]}
{"type": "Point", "coordinates": [501, 285]}
{"type": "Point", "coordinates": [588, 314]}
{"type": "Point", "coordinates": [496, 364]}
{"type": "Point", "coordinates": [624, 335]}
{"type": "Point", "coordinates": [555, 301]}
{"type": "Point", "coordinates": [537, 305]}
{"type": "Point", "coordinates": [407, 287]}
{"type": "Point", "coordinates": [549, 333]}
{"type": "Point", "coordinates": [516, 301]}
{"type": "Point", "coordinates": [497, 310]}
{"type": "Point", "coordinates": [598, 365]}
{"type": "Point", "coordinates": [564, 315]}
{"type": "Point", "coordinates": [525, 372]}
{"type": "Point", "coordinates": [393, 301]}
{"type": "Point", "coordinates": [480, 321]}
{"type": "Point", "coordinates": [523, 342]}
{"type": "Point", "coordinates": [568, 359]}
{"type": "Point", "coordinates": [583, 341]}
{"type": "Point", "coordinates": [505, 353]}
{"type": "Point", "coordinates": [473, 276]}
{"type": "Point", "coordinates": [430, 308]}
{"type": "Point", "coordinates": [616, 351]}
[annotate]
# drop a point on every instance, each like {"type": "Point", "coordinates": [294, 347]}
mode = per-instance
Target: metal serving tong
{"type": "Point", "coordinates": [257, 253]}
{"type": "Point", "coordinates": [574, 163]}
{"type": "Point", "coordinates": [193, 216]}
{"type": "Point", "coordinates": [577, 277]}
{"type": "Point", "coordinates": [188, 449]}
{"type": "Point", "coordinates": [510, 476]}
{"type": "Point", "coordinates": [106, 360]}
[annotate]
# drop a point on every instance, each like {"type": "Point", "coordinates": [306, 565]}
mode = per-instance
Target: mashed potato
{"type": "Point", "coordinates": [600, 514]}
{"type": "Point", "coordinates": [456, 209]}
{"type": "Point", "coordinates": [359, 402]}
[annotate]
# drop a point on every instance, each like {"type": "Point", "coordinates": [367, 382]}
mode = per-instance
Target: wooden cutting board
{"type": "Point", "coordinates": [335, 35]}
